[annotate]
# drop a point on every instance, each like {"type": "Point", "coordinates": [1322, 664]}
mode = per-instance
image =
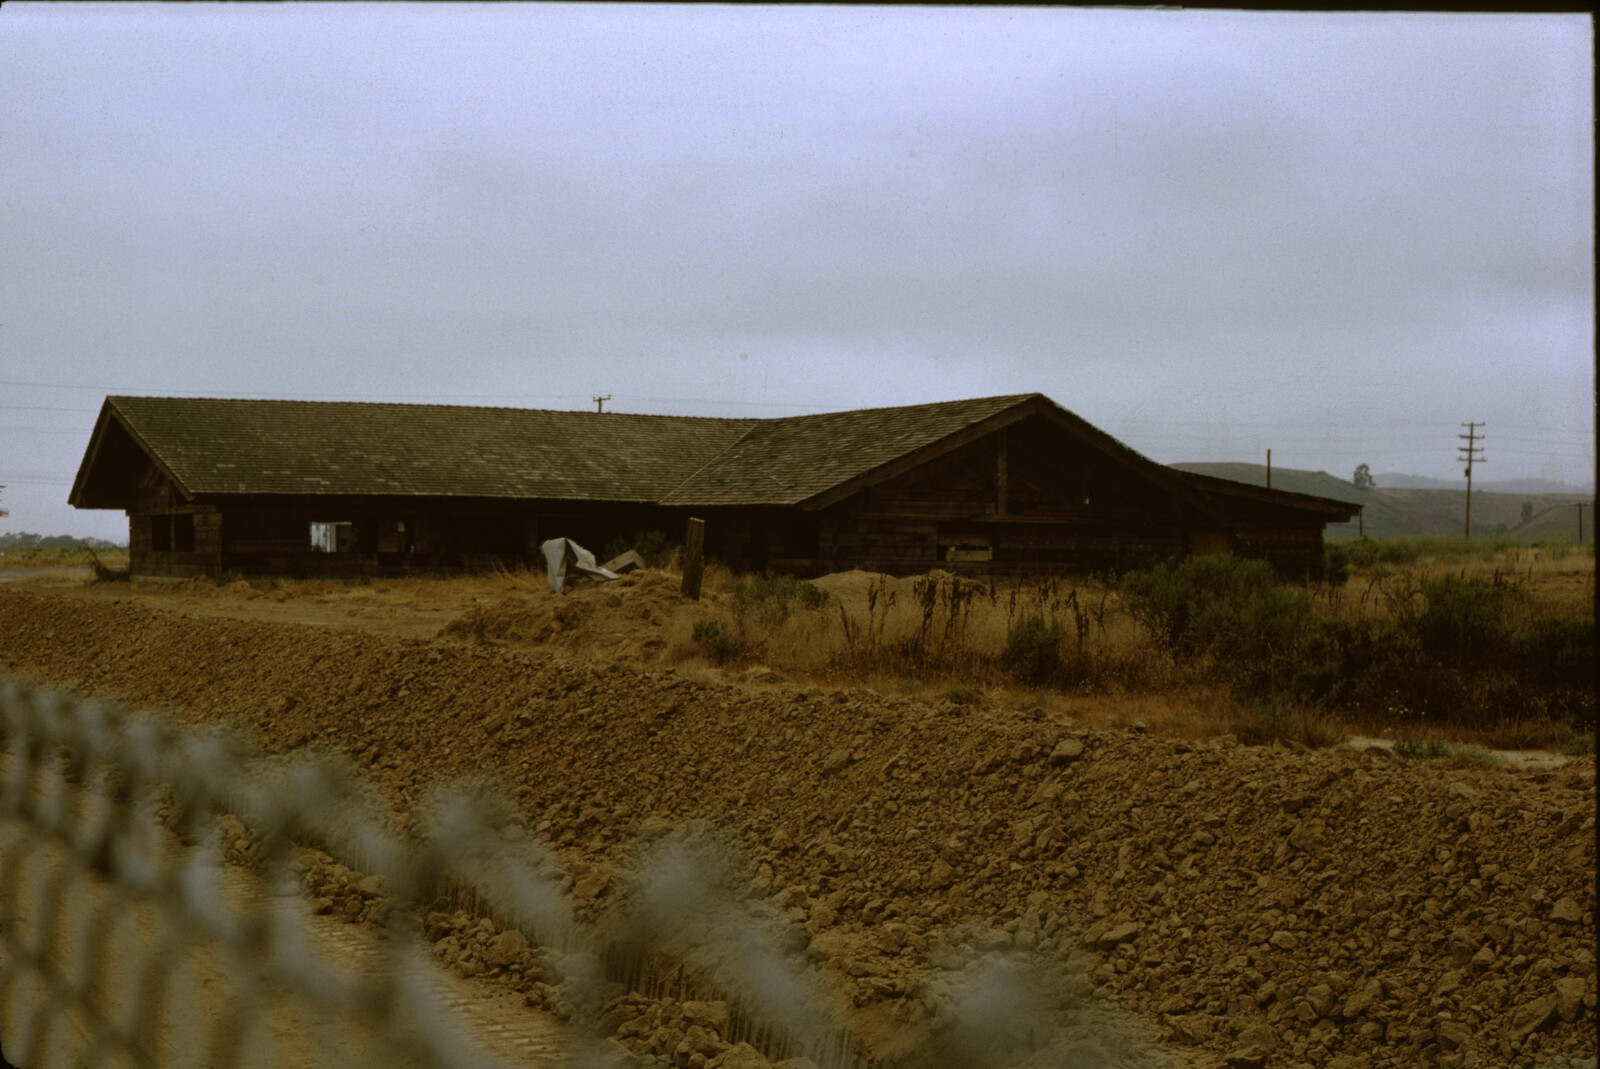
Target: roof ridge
{"type": "Point", "coordinates": [433, 405]}
{"type": "Point", "coordinates": [1010, 398]}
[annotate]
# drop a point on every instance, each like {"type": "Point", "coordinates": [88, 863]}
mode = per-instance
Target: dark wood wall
{"type": "Point", "coordinates": [387, 536]}
{"type": "Point", "coordinates": [1026, 499]}
{"type": "Point", "coordinates": [1023, 500]}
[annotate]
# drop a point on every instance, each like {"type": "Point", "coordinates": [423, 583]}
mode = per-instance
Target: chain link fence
{"type": "Point", "coordinates": [127, 939]}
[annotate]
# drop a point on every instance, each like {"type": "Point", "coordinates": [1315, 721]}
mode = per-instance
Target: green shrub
{"type": "Point", "coordinates": [1554, 546]}
{"type": "Point", "coordinates": [1556, 651]}
{"type": "Point", "coordinates": [1580, 745]}
{"type": "Point", "coordinates": [1033, 649]}
{"type": "Point", "coordinates": [1462, 621]}
{"type": "Point", "coordinates": [1422, 749]}
{"type": "Point", "coordinates": [719, 644]}
{"type": "Point", "coordinates": [1336, 558]}
{"type": "Point", "coordinates": [772, 597]}
{"type": "Point", "coordinates": [1356, 552]}
{"type": "Point", "coordinates": [1231, 607]}
{"type": "Point", "coordinates": [655, 548]}
{"type": "Point", "coordinates": [1408, 549]}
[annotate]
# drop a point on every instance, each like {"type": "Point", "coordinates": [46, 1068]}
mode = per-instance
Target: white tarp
{"type": "Point", "coordinates": [563, 553]}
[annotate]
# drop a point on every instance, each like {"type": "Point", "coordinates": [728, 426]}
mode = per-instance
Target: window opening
{"type": "Point", "coordinates": [965, 545]}
{"type": "Point", "coordinates": [161, 534]}
{"type": "Point", "coordinates": [183, 533]}
{"type": "Point", "coordinates": [333, 537]}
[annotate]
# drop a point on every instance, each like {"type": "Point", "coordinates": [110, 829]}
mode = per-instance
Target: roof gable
{"type": "Point", "coordinates": [794, 459]}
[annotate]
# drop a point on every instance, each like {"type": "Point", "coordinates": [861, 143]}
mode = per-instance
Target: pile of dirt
{"type": "Point", "coordinates": [1273, 907]}
{"type": "Point", "coordinates": [854, 587]}
{"type": "Point", "coordinates": [622, 618]}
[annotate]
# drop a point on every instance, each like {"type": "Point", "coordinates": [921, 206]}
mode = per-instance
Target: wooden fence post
{"type": "Point", "coordinates": [694, 557]}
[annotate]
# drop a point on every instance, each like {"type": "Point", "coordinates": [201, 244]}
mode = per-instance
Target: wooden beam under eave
{"type": "Point", "coordinates": [1000, 452]}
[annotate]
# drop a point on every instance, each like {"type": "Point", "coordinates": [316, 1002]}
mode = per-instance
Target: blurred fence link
{"type": "Point", "coordinates": [125, 940]}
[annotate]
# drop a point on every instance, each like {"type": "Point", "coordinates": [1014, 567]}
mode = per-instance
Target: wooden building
{"type": "Point", "coordinates": [989, 487]}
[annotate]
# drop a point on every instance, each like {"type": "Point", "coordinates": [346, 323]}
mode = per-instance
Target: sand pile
{"type": "Point", "coordinates": [1268, 906]}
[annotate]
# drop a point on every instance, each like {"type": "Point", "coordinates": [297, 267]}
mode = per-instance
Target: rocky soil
{"type": "Point", "coordinates": [1253, 906]}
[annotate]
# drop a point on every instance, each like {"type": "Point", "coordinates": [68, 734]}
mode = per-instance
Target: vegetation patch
{"type": "Point", "coordinates": [719, 644]}
{"type": "Point", "coordinates": [655, 548]}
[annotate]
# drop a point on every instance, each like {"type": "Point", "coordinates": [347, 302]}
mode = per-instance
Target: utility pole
{"type": "Point", "coordinates": [1580, 521]}
{"type": "Point", "coordinates": [1269, 469]}
{"type": "Point", "coordinates": [600, 402]}
{"type": "Point", "coordinates": [1469, 453]}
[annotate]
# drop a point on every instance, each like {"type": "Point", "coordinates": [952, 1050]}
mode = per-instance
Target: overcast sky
{"type": "Point", "coordinates": [1208, 233]}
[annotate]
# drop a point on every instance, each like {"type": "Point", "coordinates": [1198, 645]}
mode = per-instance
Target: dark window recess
{"type": "Point", "coordinates": [161, 534]}
{"type": "Point", "coordinates": [758, 543]}
{"type": "Point", "coordinates": [487, 534]}
{"type": "Point", "coordinates": [391, 535]}
{"type": "Point", "coordinates": [183, 533]}
{"type": "Point", "coordinates": [802, 537]}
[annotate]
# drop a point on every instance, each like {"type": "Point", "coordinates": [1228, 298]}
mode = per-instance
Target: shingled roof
{"type": "Point", "coordinates": [223, 447]}
{"type": "Point", "coordinates": [787, 461]}
{"type": "Point", "coordinates": [213, 446]}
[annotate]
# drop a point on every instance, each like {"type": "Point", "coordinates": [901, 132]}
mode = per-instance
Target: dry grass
{"type": "Point", "coordinates": [60, 557]}
{"type": "Point", "coordinates": [940, 638]}
{"type": "Point", "coordinates": [932, 639]}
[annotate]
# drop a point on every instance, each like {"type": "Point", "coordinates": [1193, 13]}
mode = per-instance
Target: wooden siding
{"type": "Point", "coordinates": [391, 536]}
{"type": "Point", "coordinates": [1025, 499]}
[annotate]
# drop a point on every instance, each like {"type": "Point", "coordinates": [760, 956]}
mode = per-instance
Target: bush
{"type": "Point", "coordinates": [1554, 546]}
{"type": "Point", "coordinates": [1580, 745]}
{"type": "Point", "coordinates": [1462, 621]}
{"type": "Point", "coordinates": [1231, 607]}
{"type": "Point", "coordinates": [655, 548]}
{"type": "Point", "coordinates": [719, 644]}
{"type": "Point", "coordinates": [1422, 749]}
{"type": "Point", "coordinates": [1033, 649]}
{"type": "Point", "coordinates": [1336, 563]}
{"type": "Point", "coordinates": [773, 597]}
{"type": "Point", "coordinates": [1408, 549]}
{"type": "Point", "coordinates": [1557, 651]}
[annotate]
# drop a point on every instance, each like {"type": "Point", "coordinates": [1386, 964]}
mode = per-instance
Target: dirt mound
{"type": "Point", "coordinates": [853, 587]}
{"type": "Point", "coordinates": [1282, 907]}
{"type": "Point", "coordinates": [629, 614]}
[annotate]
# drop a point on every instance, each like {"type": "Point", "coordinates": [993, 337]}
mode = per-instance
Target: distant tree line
{"type": "Point", "coordinates": [28, 539]}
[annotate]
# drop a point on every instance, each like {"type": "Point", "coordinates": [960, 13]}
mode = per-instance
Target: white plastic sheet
{"type": "Point", "coordinates": [560, 554]}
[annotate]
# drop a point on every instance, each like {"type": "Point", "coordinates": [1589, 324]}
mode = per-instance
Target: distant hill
{"type": "Point", "coordinates": [1390, 480]}
{"type": "Point", "coordinates": [1319, 483]}
{"type": "Point", "coordinates": [1388, 512]}
{"type": "Point", "coordinates": [1562, 519]}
